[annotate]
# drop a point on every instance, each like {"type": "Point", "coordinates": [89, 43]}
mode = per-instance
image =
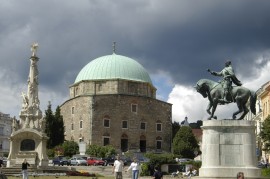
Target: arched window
{"type": "Point", "coordinates": [27, 145]}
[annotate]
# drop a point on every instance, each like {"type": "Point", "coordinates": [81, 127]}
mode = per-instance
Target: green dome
{"type": "Point", "coordinates": [113, 67]}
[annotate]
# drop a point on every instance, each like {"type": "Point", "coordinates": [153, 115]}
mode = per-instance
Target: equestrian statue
{"type": "Point", "coordinates": [223, 92]}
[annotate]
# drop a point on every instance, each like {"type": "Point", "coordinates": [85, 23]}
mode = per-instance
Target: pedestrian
{"type": "Point", "coordinates": [135, 166]}
{"type": "Point", "coordinates": [118, 168]}
{"type": "Point", "coordinates": [1, 164]}
{"type": "Point", "coordinates": [25, 165]}
{"type": "Point", "coordinates": [240, 175]}
{"type": "Point", "coordinates": [157, 174]}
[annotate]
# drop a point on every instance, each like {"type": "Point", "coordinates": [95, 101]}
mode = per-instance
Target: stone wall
{"type": "Point", "coordinates": [92, 110]}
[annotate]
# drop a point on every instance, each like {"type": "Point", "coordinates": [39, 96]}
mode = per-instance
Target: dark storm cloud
{"type": "Point", "coordinates": [181, 38]}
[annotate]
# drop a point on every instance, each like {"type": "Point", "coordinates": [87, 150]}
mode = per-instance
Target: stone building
{"type": "Point", "coordinates": [113, 101]}
{"type": "Point", "coordinates": [5, 131]}
{"type": "Point", "coordinates": [262, 112]}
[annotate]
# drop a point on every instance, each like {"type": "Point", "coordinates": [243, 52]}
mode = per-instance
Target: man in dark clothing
{"type": "Point", "coordinates": [157, 174]}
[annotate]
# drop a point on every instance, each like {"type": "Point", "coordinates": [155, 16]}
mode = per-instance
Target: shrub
{"type": "Point", "coordinates": [156, 160]}
{"type": "Point", "coordinates": [265, 172]}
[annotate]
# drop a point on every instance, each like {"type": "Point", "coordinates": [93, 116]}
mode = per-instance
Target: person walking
{"type": "Point", "coordinates": [135, 166]}
{"type": "Point", "coordinates": [25, 165]}
{"type": "Point", "coordinates": [157, 174]}
{"type": "Point", "coordinates": [118, 168]}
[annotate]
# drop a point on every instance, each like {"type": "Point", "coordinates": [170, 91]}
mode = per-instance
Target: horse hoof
{"type": "Point", "coordinates": [215, 117]}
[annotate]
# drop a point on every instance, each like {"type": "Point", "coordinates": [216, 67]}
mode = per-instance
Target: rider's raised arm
{"type": "Point", "coordinates": [214, 73]}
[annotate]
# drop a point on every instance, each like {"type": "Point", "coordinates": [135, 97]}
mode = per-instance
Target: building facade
{"type": "Point", "coordinates": [113, 102]}
{"type": "Point", "coordinates": [262, 112]}
{"type": "Point", "coordinates": [5, 131]}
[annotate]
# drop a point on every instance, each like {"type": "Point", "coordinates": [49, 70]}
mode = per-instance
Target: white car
{"type": "Point", "coordinates": [78, 161]}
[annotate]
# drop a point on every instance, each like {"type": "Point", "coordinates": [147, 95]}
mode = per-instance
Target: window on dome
{"type": "Point", "coordinates": [133, 87]}
{"type": "Point", "coordinates": [81, 124]}
{"type": "Point", "coordinates": [72, 110]}
{"type": "Point", "coordinates": [72, 126]}
{"type": "Point", "coordinates": [76, 91]}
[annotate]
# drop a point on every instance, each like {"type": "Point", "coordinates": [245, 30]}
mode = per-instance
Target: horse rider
{"type": "Point", "coordinates": [228, 77]}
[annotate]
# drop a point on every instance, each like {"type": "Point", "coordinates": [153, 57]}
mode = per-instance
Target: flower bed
{"type": "Point", "coordinates": [82, 173]}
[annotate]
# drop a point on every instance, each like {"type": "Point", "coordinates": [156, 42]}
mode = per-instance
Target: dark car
{"type": "Point", "coordinates": [60, 160]}
{"type": "Point", "coordinates": [127, 161]}
{"type": "Point", "coordinates": [108, 160]}
{"type": "Point", "coordinates": [95, 161]}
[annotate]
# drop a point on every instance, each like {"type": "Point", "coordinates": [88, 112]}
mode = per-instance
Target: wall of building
{"type": "Point", "coordinates": [5, 131]}
{"type": "Point", "coordinates": [86, 113]}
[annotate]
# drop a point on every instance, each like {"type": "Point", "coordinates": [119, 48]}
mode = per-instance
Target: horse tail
{"type": "Point", "coordinates": [253, 98]}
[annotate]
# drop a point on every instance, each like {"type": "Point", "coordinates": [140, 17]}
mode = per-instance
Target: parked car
{"type": "Point", "coordinates": [182, 160]}
{"type": "Point", "coordinates": [127, 161]}
{"type": "Point", "coordinates": [108, 160]}
{"type": "Point", "coordinates": [95, 161]}
{"type": "Point", "coordinates": [60, 160]}
{"type": "Point", "coordinates": [77, 161]}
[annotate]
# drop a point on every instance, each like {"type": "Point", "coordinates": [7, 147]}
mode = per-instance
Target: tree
{"type": "Point", "coordinates": [265, 134]}
{"type": "Point", "coordinates": [70, 148]}
{"type": "Point", "coordinates": [175, 128]}
{"type": "Point", "coordinates": [54, 127]}
{"type": "Point", "coordinates": [59, 133]}
{"type": "Point", "coordinates": [101, 151]}
{"type": "Point", "coordinates": [49, 126]}
{"type": "Point", "coordinates": [185, 143]}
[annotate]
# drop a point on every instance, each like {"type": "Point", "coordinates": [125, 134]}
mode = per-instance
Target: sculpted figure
{"type": "Point", "coordinates": [220, 93]}
{"type": "Point", "coordinates": [228, 77]}
{"type": "Point", "coordinates": [34, 49]}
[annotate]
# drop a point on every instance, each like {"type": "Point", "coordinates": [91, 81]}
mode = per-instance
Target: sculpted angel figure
{"type": "Point", "coordinates": [34, 49]}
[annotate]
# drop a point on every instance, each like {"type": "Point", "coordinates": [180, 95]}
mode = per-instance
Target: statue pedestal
{"type": "Point", "coordinates": [29, 144]}
{"type": "Point", "coordinates": [229, 147]}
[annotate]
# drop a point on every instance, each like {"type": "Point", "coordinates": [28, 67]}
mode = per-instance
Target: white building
{"type": "Point", "coordinates": [5, 131]}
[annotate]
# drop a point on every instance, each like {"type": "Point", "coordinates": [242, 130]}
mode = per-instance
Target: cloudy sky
{"type": "Point", "coordinates": [175, 40]}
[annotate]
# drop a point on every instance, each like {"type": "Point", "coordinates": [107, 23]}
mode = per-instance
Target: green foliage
{"type": "Point", "coordinates": [265, 134]}
{"type": "Point", "coordinates": [50, 153]}
{"type": "Point", "coordinates": [175, 128]}
{"type": "Point", "coordinates": [265, 172]}
{"type": "Point", "coordinates": [185, 143]}
{"type": "Point", "coordinates": [156, 160]}
{"type": "Point", "coordinates": [100, 151]}
{"type": "Point", "coordinates": [54, 127]}
{"type": "Point", "coordinates": [70, 148]}
{"type": "Point", "coordinates": [145, 169]}
{"type": "Point", "coordinates": [49, 126]}
{"type": "Point", "coordinates": [59, 133]}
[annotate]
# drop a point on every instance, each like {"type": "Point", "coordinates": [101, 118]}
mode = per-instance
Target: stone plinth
{"type": "Point", "coordinates": [229, 147]}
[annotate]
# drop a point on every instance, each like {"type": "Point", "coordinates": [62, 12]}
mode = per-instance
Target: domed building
{"type": "Point", "coordinates": [113, 102]}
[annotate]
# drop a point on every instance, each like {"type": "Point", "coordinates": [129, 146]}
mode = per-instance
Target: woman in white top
{"type": "Point", "coordinates": [135, 166]}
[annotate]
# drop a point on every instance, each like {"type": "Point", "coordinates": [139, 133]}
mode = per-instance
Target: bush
{"type": "Point", "coordinates": [76, 173]}
{"type": "Point", "coordinates": [265, 172]}
{"type": "Point", "coordinates": [156, 160]}
{"type": "Point", "coordinates": [50, 153]}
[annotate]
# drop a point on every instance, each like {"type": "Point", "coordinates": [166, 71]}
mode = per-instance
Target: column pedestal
{"type": "Point", "coordinates": [229, 147]}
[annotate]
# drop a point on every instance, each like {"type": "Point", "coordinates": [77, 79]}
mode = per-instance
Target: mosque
{"type": "Point", "coordinates": [113, 102]}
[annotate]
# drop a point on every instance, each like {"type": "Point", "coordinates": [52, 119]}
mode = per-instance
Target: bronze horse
{"type": "Point", "coordinates": [214, 91]}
